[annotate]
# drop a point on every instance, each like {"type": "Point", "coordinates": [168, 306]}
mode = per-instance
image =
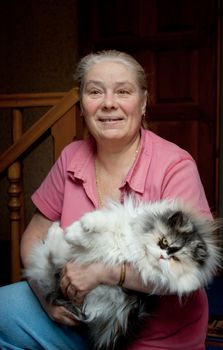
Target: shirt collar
{"type": "Point", "coordinates": [82, 160]}
{"type": "Point", "coordinates": [82, 164]}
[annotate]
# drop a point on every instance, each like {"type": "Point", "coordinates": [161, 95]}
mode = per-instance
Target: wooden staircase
{"type": "Point", "coordinates": [63, 122]}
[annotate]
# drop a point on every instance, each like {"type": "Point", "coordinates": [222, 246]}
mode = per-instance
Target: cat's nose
{"type": "Point", "coordinates": [172, 250]}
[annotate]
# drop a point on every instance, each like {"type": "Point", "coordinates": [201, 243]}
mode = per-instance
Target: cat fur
{"type": "Point", "coordinates": [137, 233]}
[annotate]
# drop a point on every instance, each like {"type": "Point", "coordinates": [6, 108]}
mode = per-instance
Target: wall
{"type": "Point", "coordinates": [38, 40]}
{"type": "Point", "coordinates": [221, 117]}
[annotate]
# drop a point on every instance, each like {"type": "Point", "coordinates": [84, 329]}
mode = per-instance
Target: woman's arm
{"type": "Point", "coordinates": [36, 231]}
{"type": "Point", "coordinates": [77, 280]}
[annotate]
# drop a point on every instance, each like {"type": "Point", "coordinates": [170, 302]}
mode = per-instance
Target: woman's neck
{"type": "Point", "coordinates": [117, 157]}
{"type": "Point", "coordinates": [111, 168]}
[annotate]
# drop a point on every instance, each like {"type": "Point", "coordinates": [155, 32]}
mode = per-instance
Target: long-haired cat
{"type": "Point", "coordinates": [167, 243]}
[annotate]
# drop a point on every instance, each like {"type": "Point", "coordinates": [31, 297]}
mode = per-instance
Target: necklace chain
{"type": "Point", "coordinates": [98, 187]}
{"type": "Point", "coordinates": [98, 184]}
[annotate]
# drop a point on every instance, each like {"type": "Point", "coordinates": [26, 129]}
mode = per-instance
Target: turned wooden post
{"type": "Point", "coordinates": [15, 202]}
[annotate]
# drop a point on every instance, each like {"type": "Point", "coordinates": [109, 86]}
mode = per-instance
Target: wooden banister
{"type": "Point", "coordinates": [63, 122]}
{"type": "Point", "coordinates": [30, 100]}
{"type": "Point", "coordinates": [38, 129]}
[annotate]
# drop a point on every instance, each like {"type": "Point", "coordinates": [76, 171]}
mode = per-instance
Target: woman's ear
{"type": "Point", "coordinates": [144, 102]}
{"type": "Point", "coordinates": [81, 109]}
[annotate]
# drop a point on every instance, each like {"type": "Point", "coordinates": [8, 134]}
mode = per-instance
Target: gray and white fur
{"type": "Point", "coordinates": [172, 247]}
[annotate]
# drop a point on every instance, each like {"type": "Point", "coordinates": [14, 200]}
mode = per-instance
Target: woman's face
{"type": "Point", "coordinates": [112, 102]}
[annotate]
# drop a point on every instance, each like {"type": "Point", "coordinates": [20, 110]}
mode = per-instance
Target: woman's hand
{"type": "Point", "coordinates": [57, 313]}
{"type": "Point", "coordinates": [77, 280]}
{"type": "Point", "coordinates": [60, 314]}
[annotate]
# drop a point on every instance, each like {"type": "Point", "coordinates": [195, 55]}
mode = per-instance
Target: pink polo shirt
{"type": "Point", "coordinates": [161, 170]}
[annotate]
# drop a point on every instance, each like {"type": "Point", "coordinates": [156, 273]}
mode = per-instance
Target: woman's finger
{"type": "Point", "coordinates": [64, 285]}
{"type": "Point", "coordinates": [69, 320]}
{"type": "Point", "coordinates": [78, 298]}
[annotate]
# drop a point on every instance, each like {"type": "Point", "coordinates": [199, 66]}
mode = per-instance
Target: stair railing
{"type": "Point", "coordinates": [63, 121]}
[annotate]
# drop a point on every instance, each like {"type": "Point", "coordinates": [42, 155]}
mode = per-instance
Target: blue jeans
{"type": "Point", "coordinates": [25, 325]}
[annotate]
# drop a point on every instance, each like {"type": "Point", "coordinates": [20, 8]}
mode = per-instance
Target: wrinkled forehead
{"type": "Point", "coordinates": [111, 69]}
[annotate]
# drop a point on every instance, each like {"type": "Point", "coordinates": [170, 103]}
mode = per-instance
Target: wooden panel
{"type": "Point", "coordinates": [186, 19]}
{"type": "Point", "coordinates": [177, 76]}
{"type": "Point", "coordinates": [176, 42]}
{"type": "Point", "coordinates": [114, 24]}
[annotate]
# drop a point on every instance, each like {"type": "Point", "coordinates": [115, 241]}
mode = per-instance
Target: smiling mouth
{"type": "Point", "coordinates": [109, 120]}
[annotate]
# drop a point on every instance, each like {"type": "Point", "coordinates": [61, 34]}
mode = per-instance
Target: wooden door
{"type": "Point", "coordinates": [176, 42]}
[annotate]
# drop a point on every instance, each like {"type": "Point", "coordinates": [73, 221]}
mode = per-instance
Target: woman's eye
{"type": "Point", "coordinates": [123, 92]}
{"type": "Point", "coordinates": [94, 92]}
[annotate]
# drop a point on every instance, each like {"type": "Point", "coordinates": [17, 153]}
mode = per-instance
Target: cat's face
{"type": "Point", "coordinates": [175, 244]}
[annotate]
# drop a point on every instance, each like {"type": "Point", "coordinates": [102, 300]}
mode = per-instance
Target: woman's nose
{"type": "Point", "coordinates": [109, 101]}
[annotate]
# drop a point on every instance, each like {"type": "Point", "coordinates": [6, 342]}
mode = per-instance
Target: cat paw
{"type": "Point", "coordinates": [72, 232]}
{"type": "Point", "coordinates": [93, 222]}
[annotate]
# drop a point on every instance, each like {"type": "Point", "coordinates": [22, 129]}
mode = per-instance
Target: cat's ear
{"type": "Point", "coordinates": [176, 219]}
{"type": "Point", "coordinates": [179, 219]}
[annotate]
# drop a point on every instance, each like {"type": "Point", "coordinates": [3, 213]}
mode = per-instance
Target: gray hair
{"type": "Point", "coordinates": [110, 55]}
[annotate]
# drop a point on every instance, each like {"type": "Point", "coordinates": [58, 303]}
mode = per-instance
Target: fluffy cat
{"type": "Point", "coordinates": [167, 243]}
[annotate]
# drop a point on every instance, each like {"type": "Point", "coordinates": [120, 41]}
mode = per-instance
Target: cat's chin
{"type": "Point", "coordinates": [164, 264]}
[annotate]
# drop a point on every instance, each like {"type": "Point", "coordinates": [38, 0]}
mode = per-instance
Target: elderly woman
{"type": "Point", "coordinates": [119, 156]}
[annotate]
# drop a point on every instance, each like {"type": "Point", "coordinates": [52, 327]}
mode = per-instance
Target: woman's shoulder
{"type": "Point", "coordinates": [77, 147]}
{"type": "Point", "coordinates": [164, 147]}
{"type": "Point", "coordinates": [76, 152]}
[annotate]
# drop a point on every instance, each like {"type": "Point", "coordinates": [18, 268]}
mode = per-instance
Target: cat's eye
{"type": "Point", "coordinates": [163, 243]}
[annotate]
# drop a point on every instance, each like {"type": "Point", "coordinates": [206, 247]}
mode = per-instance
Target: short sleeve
{"type": "Point", "coordinates": [182, 180]}
{"type": "Point", "coordinates": [48, 198]}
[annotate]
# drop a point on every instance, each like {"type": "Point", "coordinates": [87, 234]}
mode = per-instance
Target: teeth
{"type": "Point", "coordinates": [109, 120]}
